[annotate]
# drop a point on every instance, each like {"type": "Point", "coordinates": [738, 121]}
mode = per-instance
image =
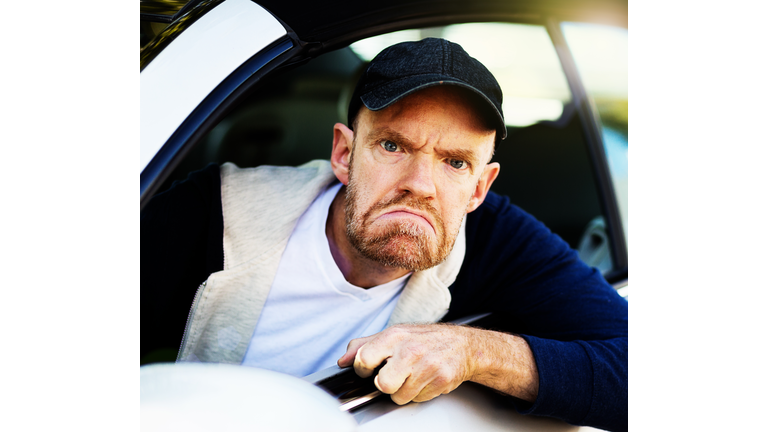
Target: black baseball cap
{"type": "Point", "coordinates": [407, 67]}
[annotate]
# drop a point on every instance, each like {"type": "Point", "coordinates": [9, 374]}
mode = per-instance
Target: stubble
{"type": "Point", "coordinates": [401, 244]}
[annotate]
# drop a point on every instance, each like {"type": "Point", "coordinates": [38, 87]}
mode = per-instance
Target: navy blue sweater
{"type": "Point", "coordinates": [531, 280]}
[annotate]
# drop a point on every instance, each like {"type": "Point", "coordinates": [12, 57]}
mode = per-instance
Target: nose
{"type": "Point", "coordinates": [418, 177]}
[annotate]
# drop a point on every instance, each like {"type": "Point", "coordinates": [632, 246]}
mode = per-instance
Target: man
{"type": "Point", "coordinates": [354, 261]}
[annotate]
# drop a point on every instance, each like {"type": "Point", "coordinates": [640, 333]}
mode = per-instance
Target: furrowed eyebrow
{"type": "Point", "coordinates": [385, 133]}
{"type": "Point", "coordinates": [460, 154]}
{"type": "Point", "coordinates": [389, 134]}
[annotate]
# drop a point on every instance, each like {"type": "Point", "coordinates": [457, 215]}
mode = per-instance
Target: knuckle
{"type": "Point", "coordinates": [427, 366]}
{"type": "Point", "coordinates": [387, 386]}
{"type": "Point", "coordinates": [441, 381]}
{"type": "Point", "coordinates": [367, 360]}
{"type": "Point", "coordinates": [448, 371]}
{"type": "Point", "coordinates": [360, 366]}
{"type": "Point", "coordinates": [395, 331]}
{"type": "Point", "coordinates": [352, 343]}
{"type": "Point", "coordinates": [416, 351]}
{"type": "Point", "coordinates": [434, 364]}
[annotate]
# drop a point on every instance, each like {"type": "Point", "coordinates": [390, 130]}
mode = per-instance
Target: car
{"type": "Point", "coordinates": [262, 83]}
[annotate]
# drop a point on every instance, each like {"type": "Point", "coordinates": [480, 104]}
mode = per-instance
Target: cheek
{"type": "Point", "coordinates": [456, 198]}
{"type": "Point", "coordinates": [379, 183]}
{"type": "Point", "coordinates": [368, 191]}
{"type": "Point", "coordinates": [454, 204]}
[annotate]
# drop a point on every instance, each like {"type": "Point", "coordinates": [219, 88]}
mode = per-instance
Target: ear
{"type": "Point", "coordinates": [342, 149]}
{"type": "Point", "coordinates": [489, 174]}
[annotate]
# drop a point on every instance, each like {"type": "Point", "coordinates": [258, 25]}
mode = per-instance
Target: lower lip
{"type": "Point", "coordinates": [401, 215]}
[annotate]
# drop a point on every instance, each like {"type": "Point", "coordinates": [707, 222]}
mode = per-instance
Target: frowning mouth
{"type": "Point", "coordinates": [404, 214]}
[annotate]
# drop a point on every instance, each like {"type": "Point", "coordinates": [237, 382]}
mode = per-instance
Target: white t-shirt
{"type": "Point", "coordinates": [312, 312]}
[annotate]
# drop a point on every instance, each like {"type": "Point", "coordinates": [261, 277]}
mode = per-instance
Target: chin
{"type": "Point", "coordinates": [403, 251]}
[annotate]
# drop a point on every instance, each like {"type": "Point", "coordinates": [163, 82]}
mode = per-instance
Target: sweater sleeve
{"type": "Point", "coordinates": [181, 245]}
{"type": "Point", "coordinates": [575, 323]}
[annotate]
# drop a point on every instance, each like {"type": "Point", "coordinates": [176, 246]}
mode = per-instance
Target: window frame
{"type": "Point", "coordinates": [594, 139]}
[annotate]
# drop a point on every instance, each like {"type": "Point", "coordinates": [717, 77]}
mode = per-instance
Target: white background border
{"type": "Point", "coordinates": [70, 230]}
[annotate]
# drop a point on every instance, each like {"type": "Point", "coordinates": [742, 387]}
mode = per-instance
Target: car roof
{"type": "Point", "coordinates": [336, 21]}
{"type": "Point", "coordinates": [328, 20]}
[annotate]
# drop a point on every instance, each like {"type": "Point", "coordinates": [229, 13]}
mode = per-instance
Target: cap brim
{"type": "Point", "coordinates": [386, 95]}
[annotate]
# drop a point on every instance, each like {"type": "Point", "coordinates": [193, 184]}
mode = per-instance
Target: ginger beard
{"type": "Point", "coordinates": [402, 244]}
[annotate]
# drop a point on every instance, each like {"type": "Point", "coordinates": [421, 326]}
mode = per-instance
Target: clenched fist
{"type": "Point", "coordinates": [425, 361]}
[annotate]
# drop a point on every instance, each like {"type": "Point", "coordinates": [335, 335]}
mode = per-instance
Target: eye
{"type": "Point", "coordinates": [389, 146]}
{"type": "Point", "coordinates": [458, 164]}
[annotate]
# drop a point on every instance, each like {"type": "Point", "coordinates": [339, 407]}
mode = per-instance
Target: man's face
{"type": "Point", "coordinates": [415, 170]}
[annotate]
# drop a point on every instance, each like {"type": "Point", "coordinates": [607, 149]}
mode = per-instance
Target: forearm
{"type": "Point", "coordinates": [503, 362]}
{"type": "Point", "coordinates": [582, 382]}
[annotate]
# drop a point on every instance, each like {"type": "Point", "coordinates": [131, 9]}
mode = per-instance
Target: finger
{"type": "Point", "coordinates": [431, 391]}
{"type": "Point", "coordinates": [407, 391]}
{"type": "Point", "coordinates": [424, 383]}
{"type": "Point", "coordinates": [352, 347]}
{"type": "Point", "coordinates": [390, 379]}
{"type": "Point", "coordinates": [369, 357]}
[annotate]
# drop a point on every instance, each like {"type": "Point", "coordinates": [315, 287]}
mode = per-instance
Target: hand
{"type": "Point", "coordinates": [425, 361]}
{"type": "Point", "coordinates": [422, 361]}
